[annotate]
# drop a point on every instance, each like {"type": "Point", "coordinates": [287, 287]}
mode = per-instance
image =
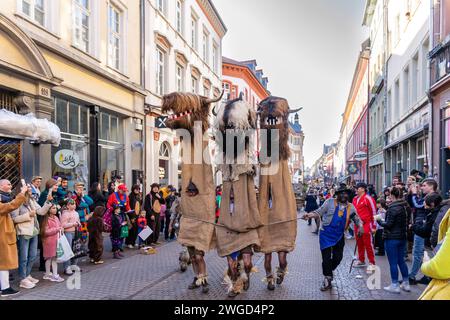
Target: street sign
{"type": "Point", "coordinates": [160, 122]}
{"type": "Point", "coordinates": [360, 156]}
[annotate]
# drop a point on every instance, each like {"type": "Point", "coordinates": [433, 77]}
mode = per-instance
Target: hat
{"type": "Point", "coordinates": [36, 178]}
{"type": "Point", "coordinates": [122, 187]}
{"type": "Point", "coordinates": [341, 189]}
{"type": "Point", "coordinates": [361, 185]}
{"type": "Point", "coordinates": [79, 184]}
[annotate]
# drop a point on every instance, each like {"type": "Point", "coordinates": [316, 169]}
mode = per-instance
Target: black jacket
{"type": "Point", "coordinates": [423, 228]}
{"type": "Point", "coordinates": [149, 201]}
{"type": "Point", "coordinates": [100, 199]}
{"type": "Point", "coordinates": [435, 229]}
{"type": "Point", "coordinates": [395, 224]}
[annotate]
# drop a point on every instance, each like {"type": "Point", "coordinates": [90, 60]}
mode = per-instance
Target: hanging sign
{"type": "Point", "coordinates": [360, 156]}
{"type": "Point", "coordinates": [67, 159]}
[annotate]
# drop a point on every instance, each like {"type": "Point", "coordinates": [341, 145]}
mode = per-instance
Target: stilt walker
{"type": "Point", "coordinates": [198, 192]}
{"type": "Point", "coordinates": [239, 216]}
{"type": "Point", "coordinates": [276, 201]}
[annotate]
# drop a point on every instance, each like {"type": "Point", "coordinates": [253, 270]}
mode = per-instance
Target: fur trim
{"type": "Point", "coordinates": [201, 280]}
{"type": "Point", "coordinates": [281, 272]}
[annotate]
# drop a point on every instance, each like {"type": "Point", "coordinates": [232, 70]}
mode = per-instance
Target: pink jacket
{"type": "Point", "coordinates": [69, 220]}
{"type": "Point", "coordinates": [50, 241]}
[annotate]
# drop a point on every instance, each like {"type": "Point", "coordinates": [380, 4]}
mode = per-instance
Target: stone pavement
{"type": "Point", "coordinates": [157, 277]}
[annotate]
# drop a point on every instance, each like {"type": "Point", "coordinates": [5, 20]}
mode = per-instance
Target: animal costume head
{"type": "Point", "coordinates": [238, 119]}
{"type": "Point", "coordinates": [184, 109]}
{"type": "Point", "coordinates": [274, 113]}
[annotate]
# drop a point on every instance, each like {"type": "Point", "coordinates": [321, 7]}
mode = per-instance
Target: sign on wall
{"type": "Point", "coordinates": [360, 156]}
{"type": "Point", "coordinates": [67, 159]}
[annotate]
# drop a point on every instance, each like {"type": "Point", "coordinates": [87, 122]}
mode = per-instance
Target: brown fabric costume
{"type": "Point", "coordinates": [237, 228]}
{"type": "Point", "coordinates": [197, 221]}
{"type": "Point", "coordinates": [95, 228]}
{"type": "Point", "coordinates": [280, 221]}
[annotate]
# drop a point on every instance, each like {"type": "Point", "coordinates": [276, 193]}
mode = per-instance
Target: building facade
{"type": "Point", "coordinates": [440, 92]}
{"type": "Point", "coordinates": [183, 53]}
{"type": "Point", "coordinates": [74, 63]}
{"type": "Point", "coordinates": [296, 140]}
{"type": "Point", "coordinates": [355, 120]}
{"type": "Point", "coordinates": [408, 113]}
{"type": "Point", "coordinates": [374, 19]}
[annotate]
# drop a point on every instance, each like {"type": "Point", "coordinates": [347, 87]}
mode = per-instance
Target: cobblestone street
{"type": "Point", "coordinates": [140, 277]}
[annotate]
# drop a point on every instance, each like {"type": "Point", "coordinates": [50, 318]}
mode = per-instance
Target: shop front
{"type": "Point", "coordinates": [408, 145]}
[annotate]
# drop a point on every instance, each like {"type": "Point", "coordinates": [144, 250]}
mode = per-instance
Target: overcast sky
{"type": "Point", "coordinates": [308, 50]}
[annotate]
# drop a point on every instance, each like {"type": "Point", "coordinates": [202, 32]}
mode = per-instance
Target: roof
{"type": "Point", "coordinates": [296, 127]}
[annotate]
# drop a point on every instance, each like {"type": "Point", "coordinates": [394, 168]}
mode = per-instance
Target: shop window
{"type": "Point", "coordinates": [164, 158]}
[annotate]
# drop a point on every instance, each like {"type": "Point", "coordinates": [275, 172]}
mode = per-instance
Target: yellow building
{"type": "Point", "coordinates": [77, 64]}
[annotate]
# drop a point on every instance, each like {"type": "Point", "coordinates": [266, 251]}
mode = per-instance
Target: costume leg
{"type": "Point", "coordinates": [269, 275]}
{"type": "Point", "coordinates": [282, 270]}
{"type": "Point", "coordinates": [248, 266]}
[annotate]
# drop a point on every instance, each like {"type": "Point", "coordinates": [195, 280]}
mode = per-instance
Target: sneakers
{"type": "Point", "coordinates": [9, 292]}
{"type": "Point", "coordinates": [326, 284]}
{"type": "Point", "coordinates": [360, 264]}
{"type": "Point", "coordinates": [393, 288]}
{"type": "Point", "coordinates": [99, 262]}
{"type": "Point", "coordinates": [370, 269]}
{"type": "Point", "coordinates": [32, 280]}
{"type": "Point", "coordinates": [57, 278]}
{"type": "Point", "coordinates": [68, 271]}
{"type": "Point", "coordinates": [412, 281]}
{"type": "Point", "coordinates": [130, 246]}
{"type": "Point", "coordinates": [405, 286]}
{"type": "Point", "coordinates": [47, 277]}
{"type": "Point", "coordinates": [120, 254]}
{"type": "Point", "coordinates": [26, 284]}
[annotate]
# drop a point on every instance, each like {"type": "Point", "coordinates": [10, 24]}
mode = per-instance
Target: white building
{"type": "Point", "coordinates": [183, 52]}
{"type": "Point", "coordinates": [408, 107]}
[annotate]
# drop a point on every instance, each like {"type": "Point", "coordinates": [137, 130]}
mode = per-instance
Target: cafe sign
{"type": "Point", "coordinates": [67, 159]}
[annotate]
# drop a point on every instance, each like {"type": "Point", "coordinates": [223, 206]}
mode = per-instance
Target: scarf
{"type": "Point", "coordinates": [5, 197]}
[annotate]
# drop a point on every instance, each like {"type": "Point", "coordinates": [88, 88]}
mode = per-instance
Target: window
{"type": "Point", "coordinates": [164, 158]}
{"type": "Point", "coordinates": [215, 57]}
{"type": "Point", "coordinates": [194, 84]}
{"type": "Point", "coordinates": [34, 9]}
{"type": "Point", "coordinates": [226, 91]}
{"type": "Point", "coordinates": [71, 117]}
{"type": "Point", "coordinates": [179, 16]}
{"type": "Point", "coordinates": [194, 32]}
{"type": "Point", "coordinates": [415, 78]}
{"type": "Point", "coordinates": [114, 36]}
{"type": "Point", "coordinates": [421, 153]}
{"type": "Point", "coordinates": [81, 24]}
{"type": "Point", "coordinates": [206, 91]}
{"type": "Point", "coordinates": [205, 46]}
{"type": "Point", "coordinates": [161, 6]}
{"type": "Point", "coordinates": [406, 88]}
{"type": "Point", "coordinates": [160, 70]}
{"type": "Point", "coordinates": [180, 78]}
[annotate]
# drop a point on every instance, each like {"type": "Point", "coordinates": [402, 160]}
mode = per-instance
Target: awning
{"type": "Point", "coordinates": [29, 127]}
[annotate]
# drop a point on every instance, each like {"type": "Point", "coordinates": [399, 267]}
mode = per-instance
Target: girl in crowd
{"type": "Point", "coordinates": [117, 223]}
{"type": "Point", "coordinates": [50, 230]}
{"type": "Point", "coordinates": [394, 235]}
{"type": "Point", "coordinates": [70, 221]}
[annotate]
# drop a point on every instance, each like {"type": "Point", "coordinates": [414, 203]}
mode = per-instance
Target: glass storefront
{"type": "Point", "coordinates": [73, 158]}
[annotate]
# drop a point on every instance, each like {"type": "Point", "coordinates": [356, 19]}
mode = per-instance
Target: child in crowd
{"type": "Point", "coordinates": [142, 224]}
{"type": "Point", "coordinates": [95, 228]}
{"type": "Point", "coordinates": [117, 223]}
{"type": "Point", "coordinates": [70, 221]}
{"type": "Point", "coordinates": [50, 230]}
{"type": "Point", "coordinates": [379, 242]}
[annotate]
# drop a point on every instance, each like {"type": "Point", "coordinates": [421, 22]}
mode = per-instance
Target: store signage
{"type": "Point", "coordinates": [360, 156]}
{"type": "Point", "coordinates": [67, 159]}
{"type": "Point", "coordinates": [352, 168]}
{"type": "Point", "coordinates": [160, 122]}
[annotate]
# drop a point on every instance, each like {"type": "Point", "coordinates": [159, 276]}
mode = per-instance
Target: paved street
{"type": "Point", "coordinates": [153, 277]}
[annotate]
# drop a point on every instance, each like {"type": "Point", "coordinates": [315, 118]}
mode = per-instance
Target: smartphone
{"type": "Point", "coordinates": [23, 182]}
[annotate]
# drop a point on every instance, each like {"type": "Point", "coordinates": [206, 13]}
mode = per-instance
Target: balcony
{"type": "Point", "coordinates": [440, 63]}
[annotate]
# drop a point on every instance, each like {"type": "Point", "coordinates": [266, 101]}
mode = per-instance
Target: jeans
{"type": "Point", "coordinates": [27, 255]}
{"type": "Point", "coordinates": [71, 262]}
{"type": "Point", "coordinates": [418, 249]}
{"type": "Point", "coordinates": [395, 250]}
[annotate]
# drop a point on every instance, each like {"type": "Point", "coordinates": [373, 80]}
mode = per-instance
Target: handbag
{"type": "Point", "coordinates": [63, 250]}
{"type": "Point", "coordinates": [124, 232]}
{"type": "Point", "coordinates": [78, 245]}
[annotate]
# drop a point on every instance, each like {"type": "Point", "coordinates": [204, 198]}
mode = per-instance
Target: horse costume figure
{"type": "Point", "coordinates": [239, 216]}
{"type": "Point", "coordinates": [276, 201]}
{"type": "Point", "coordinates": [198, 191]}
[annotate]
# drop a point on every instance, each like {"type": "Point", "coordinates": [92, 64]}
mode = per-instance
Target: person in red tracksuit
{"type": "Point", "coordinates": [366, 208]}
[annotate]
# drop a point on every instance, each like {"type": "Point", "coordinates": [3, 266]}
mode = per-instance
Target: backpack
{"type": "Point", "coordinates": [107, 220]}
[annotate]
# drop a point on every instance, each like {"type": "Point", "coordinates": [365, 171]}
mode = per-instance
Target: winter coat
{"type": "Point", "coordinates": [311, 203]}
{"type": "Point", "coordinates": [50, 240]}
{"type": "Point", "coordinates": [83, 204]}
{"type": "Point", "coordinates": [395, 225]}
{"type": "Point", "coordinates": [24, 222]}
{"type": "Point", "coordinates": [99, 199]}
{"type": "Point", "coordinates": [8, 240]}
{"type": "Point", "coordinates": [95, 228]}
{"type": "Point", "coordinates": [149, 201]}
{"type": "Point", "coordinates": [425, 228]}
{"type": "Point", "coordinates": [116, 225]}
{"type": "Point", "coordinates": [435, 229]}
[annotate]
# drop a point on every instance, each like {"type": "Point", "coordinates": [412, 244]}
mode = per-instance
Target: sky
{"type": "Point", "coordinates": [307, 48]}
